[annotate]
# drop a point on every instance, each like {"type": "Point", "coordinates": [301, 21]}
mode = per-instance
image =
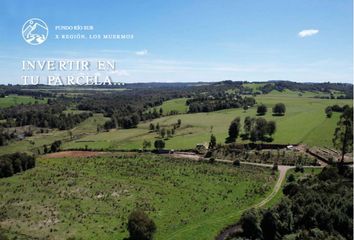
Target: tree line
{"type": "Point", "coordinates": [254, 129]}
{"type": "Point", "coordinates": [41, 115]}
{"type": "Point", "coordinates": [11, 164]}
{"type": "Point", "coordinates": [214, 103]}
{"type": "Point", "coordinates": [279, 109]}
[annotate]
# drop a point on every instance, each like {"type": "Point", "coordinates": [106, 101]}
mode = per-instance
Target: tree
{"type": "Point", "coordinates": [16, 162]}
{"type": "Point", "coordinates": [146, 144]}
{"type": "Point", "coordinates": [163, 132]}
{"type": "Point", "coordinates": [161, 111]}
{"type": "Point", "coordinates": [343, 135]}
{"type": "Point", "coordinates": [159, 144]}
{"type": "Point", "coordinates": [140, 226]}
{"type": "Point", "coordinates": [55, 147]}
{"type": "Point", "coordinates": [152, 127]}
{"type": "Point", "coordinates": [261, 128]}
{"type": "Point", "coordinates": [250, 225]}
{"type": "Point", "coordinates": [234, 130]}
{"type": "Point", "coordinates": [155, 114]}
{"type": "Point", "coordinates": [245, 107]}
{"type": "Point", "coordinates": [179, 122]}
{"type": "Point", "coordinates": [271, 128]}
{"type": "Point", "coordinates": [45, 149]}
{"type": "Point", "coordinates": [269, 225]}
{"type": "Point", "coordinates": [135, 120]}
{"type": "Point", "coordinates": [261, 109]}
{"type": "Point", "coordinates": [279, 109]}
{"type": "Point", "coordinates": [247, 125]}
{"type": "Point", "coordinates": [168, 132]}
{"type": "Point", "coordinates": [329, 111]}
{"type": "Point", "coordinates": [212, 142]}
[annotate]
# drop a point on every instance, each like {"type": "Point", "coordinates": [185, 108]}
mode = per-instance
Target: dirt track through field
{"type": "Point", "coordinates": [233, 228]}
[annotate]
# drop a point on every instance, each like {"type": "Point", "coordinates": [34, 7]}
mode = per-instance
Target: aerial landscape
{"type": "Point", "coordinates": [179, 149]}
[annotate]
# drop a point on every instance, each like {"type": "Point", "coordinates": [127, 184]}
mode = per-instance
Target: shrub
{"type": "Point", "coordinates": [237, 163]}
{"type": "Point", "coordinates": [140, 226]}
{"type": "Point", "coordinates": [291, 178]}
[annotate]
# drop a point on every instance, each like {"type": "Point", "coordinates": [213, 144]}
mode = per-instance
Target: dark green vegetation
{"type": "Point", "coordinates": [90, 198]}
{"type": "Point", "coordinates": [315, 208]}
{"type": "Point", "coordinates": [217, 102]}
{"type": "Point", "coordinates": [140, 226]}
{"type": "Point", "coordinates": [269, 156]}
{"type": "Point", "coordinates": [343, 135]}
{"type": "Point", "coordinates": [11, 164]}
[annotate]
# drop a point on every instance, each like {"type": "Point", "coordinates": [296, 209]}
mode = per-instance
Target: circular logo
{"type": "Point", "coordinates": [35, 31]}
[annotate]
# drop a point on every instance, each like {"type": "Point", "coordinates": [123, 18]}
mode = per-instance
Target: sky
{"type": "Point", "coordinates": [190, 40]}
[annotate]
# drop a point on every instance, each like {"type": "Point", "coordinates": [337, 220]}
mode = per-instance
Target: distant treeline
{"type": "Point", "coordinates": [11, 164]}
{"type": "Point", "coordinates": [24, 91]}
{"type": "Point", "coordinates": [212, 103]}
{"type": "Point", "coordinates": [346, 88]}
{"type": "Point", "coordinates": [41, 115]}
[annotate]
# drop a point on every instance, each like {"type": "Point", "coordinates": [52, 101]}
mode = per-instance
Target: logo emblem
{"type": "Point", "coordinates": [35, 31]}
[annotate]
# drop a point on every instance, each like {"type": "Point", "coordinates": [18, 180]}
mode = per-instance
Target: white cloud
{"type": "Point", "coordinates": [308, 32]}
{"type": "Point", "coordinates": [142, 52]}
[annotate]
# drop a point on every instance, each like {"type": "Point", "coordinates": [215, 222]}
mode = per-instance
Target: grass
{"type": "Point", "coordinates": [13, 100]}
{"type": "Point", "coordinates": [31, 144]}
{"type": "Point", "coordinates": [178, 104]}
{"type": "Point", "coordinates": [90, 198]}
{"type": "Point", "coordinates": [304, 122]}
{"type": "Point", "coordinates": [254, 86]}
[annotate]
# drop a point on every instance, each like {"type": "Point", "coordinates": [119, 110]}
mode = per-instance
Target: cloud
{"type": "Point", "coordinates": [142, 52]}
{"type": "Point", "coordinates": [308, 32]}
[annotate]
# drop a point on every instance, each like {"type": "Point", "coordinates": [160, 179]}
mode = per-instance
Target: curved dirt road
{"type": "Point", "coordinates": [282, 174]}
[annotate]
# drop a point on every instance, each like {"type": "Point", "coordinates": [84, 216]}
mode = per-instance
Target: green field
{"type": "Point", "coordinates": [90, 198]}
{"type": "Point", "coordinates": [13, 100]}
{"type": "Point", "coordinates": [31, 144]}
{"type": "Point", "coordinates": [178, 104]}
{"type": "Point", "coordinates": [304, 122]}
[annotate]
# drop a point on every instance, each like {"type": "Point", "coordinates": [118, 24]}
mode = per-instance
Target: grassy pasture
{"type": "Point", "coordinates": [178, 104]}
{"type": "Point", "coordinates": [304, 122]}
{"type": "Point", "coordinates": [90, 198]}
{"type": "Point", "coordinates": [13, 100]}
{"type": "Point", "coordinates": [30, 144]}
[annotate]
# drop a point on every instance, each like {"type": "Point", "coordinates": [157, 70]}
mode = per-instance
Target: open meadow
{"type": "Point", "coordinates": [13, 100]}
{"type": "Point", "coordinates": [91, 197]}
{"type": "Point", "coordinates": [304, 122]}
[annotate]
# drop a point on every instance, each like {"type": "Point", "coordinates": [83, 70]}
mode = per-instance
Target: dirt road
{"type": "Point", "coordinates": [282, 174]}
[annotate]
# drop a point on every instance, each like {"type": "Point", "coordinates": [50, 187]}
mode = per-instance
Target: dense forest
{"type": "Point", "coordinates": [41, 115]}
